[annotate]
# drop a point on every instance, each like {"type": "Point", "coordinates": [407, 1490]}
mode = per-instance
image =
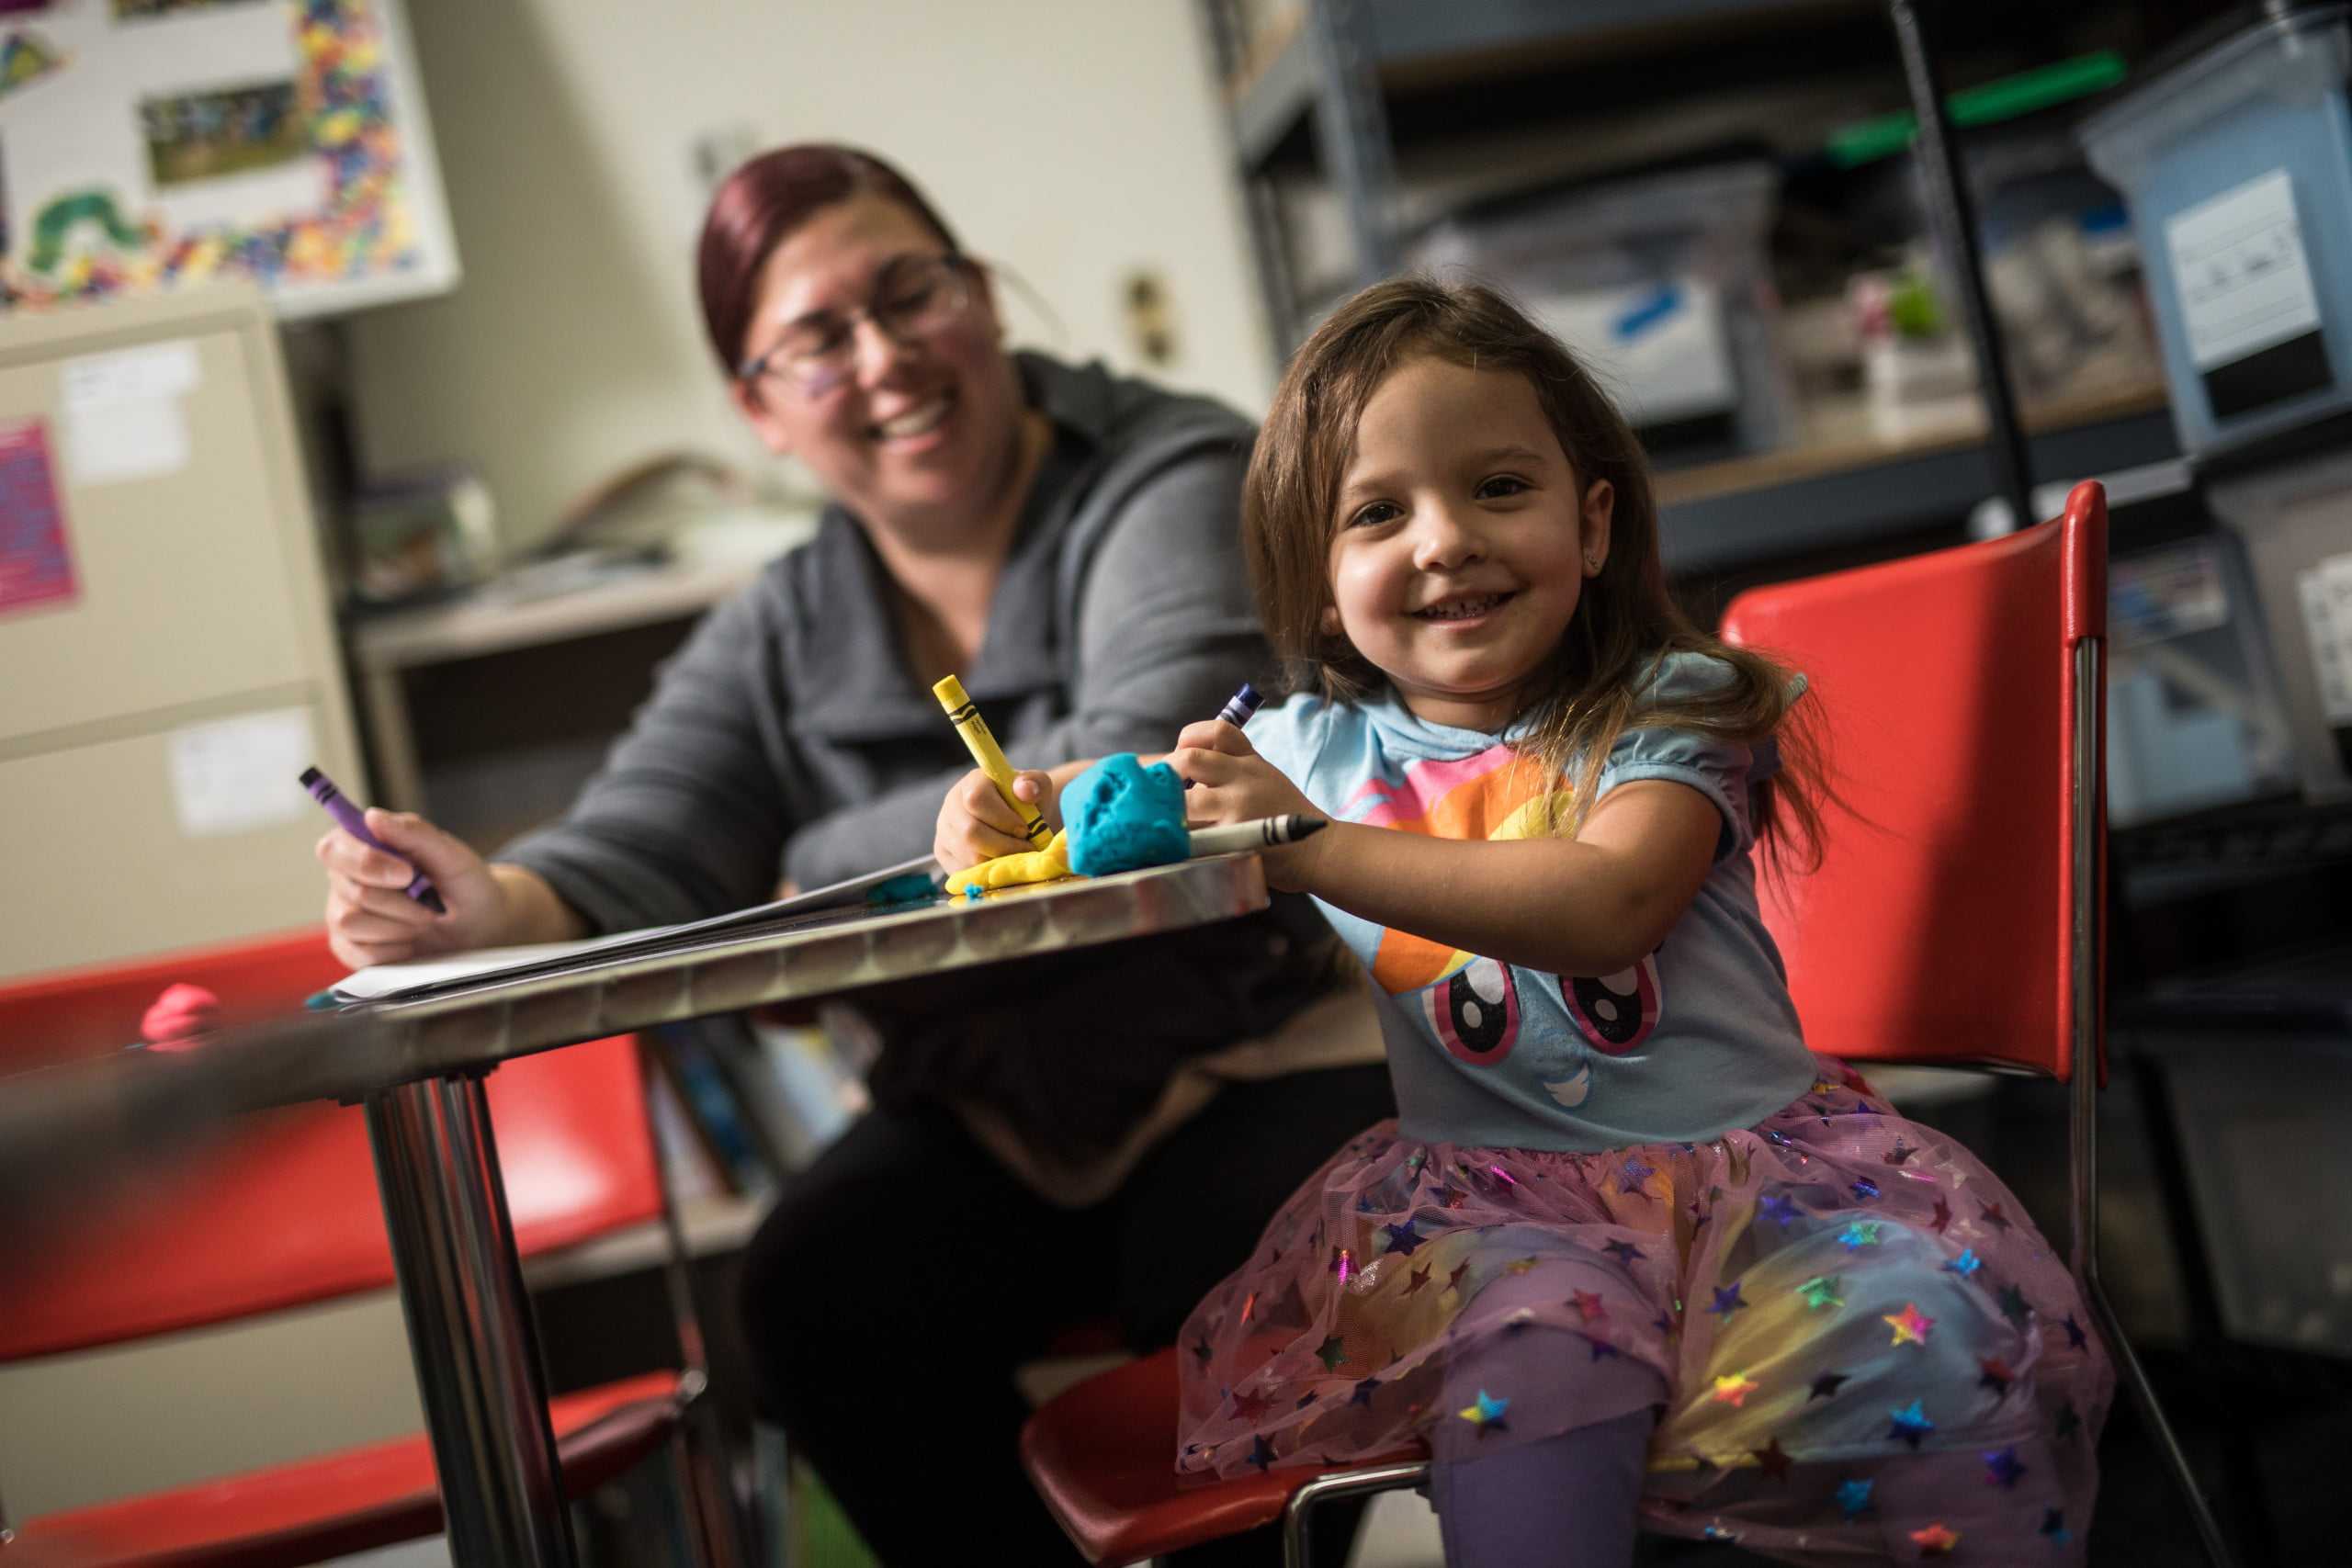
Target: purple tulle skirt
{"type": "Point", "coordinates": [1860, 1347]}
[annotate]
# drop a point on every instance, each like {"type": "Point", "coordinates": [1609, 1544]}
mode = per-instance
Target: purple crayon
{"type": "Point", "coordinates": [355, 822]}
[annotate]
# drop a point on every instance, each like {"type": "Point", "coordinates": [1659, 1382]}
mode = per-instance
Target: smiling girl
{"type": "Point", "coordinates": [1631, 1253]}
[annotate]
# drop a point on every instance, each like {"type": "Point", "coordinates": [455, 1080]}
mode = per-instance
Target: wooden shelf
{"type": "Point", "coordinates": [1847, 482]}
{"type": "Point", "coordinates": [1840, 436]}
{"type": "Point", "coordinates": [491, 622]}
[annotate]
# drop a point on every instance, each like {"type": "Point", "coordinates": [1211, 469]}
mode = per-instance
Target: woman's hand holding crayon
{"type": "Point", "coordinates": [371, 920]}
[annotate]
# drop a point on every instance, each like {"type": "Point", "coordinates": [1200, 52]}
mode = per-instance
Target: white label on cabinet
{"type": "Point", "coordinates": [234, 775]}
{"type": "Point", "coordinates": [141, 375]}
{"type": "Point", "coordinates": [2326, 591]}
{"type": "Point", "coordinates": [124, 419]}
{"type": "Point", "coordinates": [125, 441]}
{"type": "Point", "coordinates": [2239, 268]}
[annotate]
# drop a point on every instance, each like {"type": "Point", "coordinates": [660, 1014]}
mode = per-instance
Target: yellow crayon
{"type": "Point", "coordinates": [982, 745]}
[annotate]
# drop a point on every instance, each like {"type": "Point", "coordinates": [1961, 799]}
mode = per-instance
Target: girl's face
{"type": "Point", "coordinates": [907, 426]}
{"type": "Point", "coordinates": [1463, 540]}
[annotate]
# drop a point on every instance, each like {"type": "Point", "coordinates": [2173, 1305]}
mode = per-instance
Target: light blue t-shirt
{"type": "Point", "coordinates": [1700, 1038]}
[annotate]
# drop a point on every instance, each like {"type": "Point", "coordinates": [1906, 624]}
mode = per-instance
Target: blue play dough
{"type": "Point", "coordinates": [1123, 816]}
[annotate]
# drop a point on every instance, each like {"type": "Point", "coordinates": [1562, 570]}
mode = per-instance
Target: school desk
{"type": "Point", "coordinates": [417, 1066]}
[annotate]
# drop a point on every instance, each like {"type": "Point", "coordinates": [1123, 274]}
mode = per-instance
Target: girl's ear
{"type": "Point", "coordinates": [1600, 504]}
{"type": "Point", "coordinates": [1331, 626]}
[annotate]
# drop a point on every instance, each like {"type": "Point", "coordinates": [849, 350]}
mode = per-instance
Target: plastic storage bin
{"type": "Point", "coordinates": [2296, 523]}
{"type": "Point", "coordinates": [2237, 166]}
{"type": "Point", "coordinates": [2193, 719]}
{"type": "Point", "coordinates": [1662, 282]}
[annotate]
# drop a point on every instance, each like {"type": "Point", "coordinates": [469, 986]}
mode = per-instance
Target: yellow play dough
{"type": "Point", "coordinates": [1047, 864]}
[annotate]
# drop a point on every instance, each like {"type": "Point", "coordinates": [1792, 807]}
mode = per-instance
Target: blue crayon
{"type": "Point", "coordinates": [1241, 705]}
{"type": "Point", "coordinates": [1238, 709]}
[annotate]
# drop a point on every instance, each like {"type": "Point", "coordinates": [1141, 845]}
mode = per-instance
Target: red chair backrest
{"type": "Point", "coordinates": [282, 1210]}
{"type": "Point", "coordinates": [1939, 927]}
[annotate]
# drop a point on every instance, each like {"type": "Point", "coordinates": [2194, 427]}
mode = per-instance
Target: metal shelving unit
{"type": "Point", "coordinates": [1333, 67]}
{"type": "Point", "coordinates": [1708, 526]}
{"type": "Point", "coordinates": [1330, 74]}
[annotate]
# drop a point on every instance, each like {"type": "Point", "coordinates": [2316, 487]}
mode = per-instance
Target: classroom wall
{"type": "Point", "coordinates": [1072, 140]}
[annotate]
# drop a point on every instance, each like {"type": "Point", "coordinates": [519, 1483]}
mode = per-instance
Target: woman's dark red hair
{"type": "Point", "coordinates": [765, 201]}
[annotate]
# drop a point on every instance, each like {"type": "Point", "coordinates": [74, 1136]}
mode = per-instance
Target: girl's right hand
{"type": "Point", "coordinates": [975, 824]}
{"type": "Point", "coordinates": [370, 921]}
{"type": "Point", "coordinates": [1226, 780]}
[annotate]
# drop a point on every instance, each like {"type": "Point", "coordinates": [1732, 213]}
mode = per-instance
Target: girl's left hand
{"type": "Point", "coordinates": [1230, 782]}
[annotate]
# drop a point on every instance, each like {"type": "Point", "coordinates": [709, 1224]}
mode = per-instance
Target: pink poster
{"type": "Point", "coordinates": [36, 568]}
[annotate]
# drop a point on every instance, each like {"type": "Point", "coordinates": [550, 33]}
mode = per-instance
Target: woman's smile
{"type": "Point", "coordinates": [918, 421]}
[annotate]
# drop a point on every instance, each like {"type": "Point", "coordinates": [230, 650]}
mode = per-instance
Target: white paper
{"type": "Point", "coordinates": [125, 441]}
{"type": "Point", "coordinates": [385, 980]}
{"type": "Point", "coordinates": [234, 775]}
{"type": "Point", "coordinates": [390, 979]}
{"type": "Point", "coordinates": [2325, 592]}
{"type": "Point", "coordinates": [124, 415]}
{"type": "Point", "coordinates": [141, 375]}
{"type": "Point", "coordinates": [2239, 269]}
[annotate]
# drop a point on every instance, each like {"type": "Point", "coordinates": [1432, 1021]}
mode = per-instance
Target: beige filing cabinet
{"type": "Point", "coordinates": [160, 693]}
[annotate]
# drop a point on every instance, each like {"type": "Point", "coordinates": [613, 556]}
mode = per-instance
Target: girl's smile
{"type": "Point", "coordinates": [1462, 540]}
{"type": "Point", "coordinates": [1465, 609]}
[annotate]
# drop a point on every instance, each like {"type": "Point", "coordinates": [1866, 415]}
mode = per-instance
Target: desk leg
{"type": "Point", "coordinates": [470, 1324]}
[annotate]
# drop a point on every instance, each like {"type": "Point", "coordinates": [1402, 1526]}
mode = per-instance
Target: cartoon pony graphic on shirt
{"type": "Point", "coordinates": [1473, 1002]}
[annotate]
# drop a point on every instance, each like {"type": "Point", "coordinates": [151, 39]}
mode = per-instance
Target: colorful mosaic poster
{"type": "Point", "coordinates": [282, 140]}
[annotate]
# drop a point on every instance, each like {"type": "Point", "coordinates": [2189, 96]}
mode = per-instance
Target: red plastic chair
{"type": "Point", "coordinates": [285, 1213]}
{"type": "Point", "coordinates": [1960, 922]}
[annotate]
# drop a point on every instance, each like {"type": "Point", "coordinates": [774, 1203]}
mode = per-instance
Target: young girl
{"type": "Point", "coordinates": [1630, 1251]}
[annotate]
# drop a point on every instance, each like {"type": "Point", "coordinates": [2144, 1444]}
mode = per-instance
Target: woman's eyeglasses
{"type": "Point", "coordinates": [914, 296]}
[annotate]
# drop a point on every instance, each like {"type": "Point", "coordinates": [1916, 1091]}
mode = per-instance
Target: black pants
{"type": "Point", "coordinates": [890, 1294]}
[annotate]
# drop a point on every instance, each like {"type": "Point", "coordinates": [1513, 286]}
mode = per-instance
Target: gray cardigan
{"type": "Point", "coordinates": [788, 739]}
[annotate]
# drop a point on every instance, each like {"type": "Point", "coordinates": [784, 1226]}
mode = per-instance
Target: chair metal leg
{"type": "Point", "coordinates": [1341, 1483]}
{"type": "Point", "coordinates": [722, 1534]}
{"type": "Point", "coordinates": [714, 1529]}
{"type": "Point", "coordinates": [2240, 1462]}
{"type": "Point", "coordinates": [2143, 1397]}
{"type": "Point", "coordinates": [771, 1500]}
{"type": "Point", "coordinates": [2087, 1005]}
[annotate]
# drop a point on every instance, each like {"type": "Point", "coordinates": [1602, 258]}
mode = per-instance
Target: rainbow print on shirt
{"type": "Point", "coordinates": [1472, 1002]}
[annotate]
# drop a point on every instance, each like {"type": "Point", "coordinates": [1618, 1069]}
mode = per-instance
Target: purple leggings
{"type": "Point", "coordinates": [1566, 1502]}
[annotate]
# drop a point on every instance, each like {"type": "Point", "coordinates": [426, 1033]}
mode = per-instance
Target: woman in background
{"type": "Point", "coordinates": [1066, 541]}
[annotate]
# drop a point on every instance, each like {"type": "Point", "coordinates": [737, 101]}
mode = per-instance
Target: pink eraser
{"type": "Point", "coordinates": [179, 1018]}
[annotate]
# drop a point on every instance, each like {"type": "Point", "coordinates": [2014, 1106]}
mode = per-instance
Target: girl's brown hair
{"type": "Point", "coordinates": [1625, 624]}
